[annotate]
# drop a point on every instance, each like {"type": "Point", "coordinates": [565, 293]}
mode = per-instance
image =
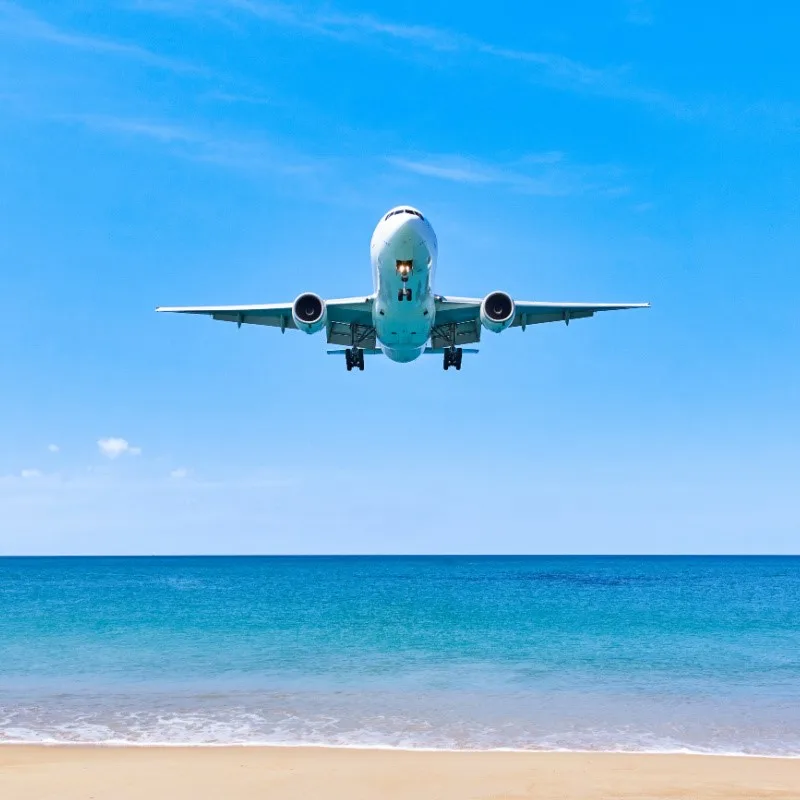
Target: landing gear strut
{"type": "Point", "coordinates": [452, 357]}
{"type": "Point", "coordinates": [404, 293]}
{"type": "Point", "coordinates": [354, 358]}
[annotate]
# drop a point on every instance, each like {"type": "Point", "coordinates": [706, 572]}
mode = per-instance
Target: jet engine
{"type": "Point", "coordinates": [497, 311]}
{"type": "Point", "coordinates": [309, 313]}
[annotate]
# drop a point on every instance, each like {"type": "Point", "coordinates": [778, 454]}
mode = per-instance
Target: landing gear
{"type": "Point", "coordinates": [404, 293]}
{"type": "Point", "coordinates": [452, 357]}
{"type": "Point", "coordinates": [354, 358]}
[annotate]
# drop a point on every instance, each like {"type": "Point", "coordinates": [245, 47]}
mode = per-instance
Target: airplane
{"type": "Point", "coordinates": [403, 318]}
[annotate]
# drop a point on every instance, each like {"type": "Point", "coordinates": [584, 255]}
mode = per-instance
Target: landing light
{"type": "Point", "coordinates": [404, 269]}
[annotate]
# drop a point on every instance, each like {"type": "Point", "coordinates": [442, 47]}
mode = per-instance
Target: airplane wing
{"type": "Point", "coordinates": [459, 317]}
{"type": "Point", "coordinates": [349, 318]}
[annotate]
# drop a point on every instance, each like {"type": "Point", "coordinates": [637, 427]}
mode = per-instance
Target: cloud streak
{"type": "Point", "coordinates": [545, 174]}
{"type": "Point", "coordinates": [640, 12]}
{"type": "Point", "coordinates": [205, 146]}
{"type": "Point", "coordinates": [365, 29]}
{"type": "Point", "coordinates": [20, 23]}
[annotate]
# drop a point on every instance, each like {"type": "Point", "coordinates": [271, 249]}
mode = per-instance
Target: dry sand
{"type": "Point", "coordinates": [276, 773]}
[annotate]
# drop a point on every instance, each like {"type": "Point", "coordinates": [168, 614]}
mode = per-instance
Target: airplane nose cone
{"type": "Point", "coordinates": [410, 229]}
{"type": "Point", "coordinates": [407, 240]}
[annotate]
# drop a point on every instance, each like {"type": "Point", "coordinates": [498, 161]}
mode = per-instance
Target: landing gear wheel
{"type": "Point", "coordinates": [354, 357]}
{"type": "Point", "coordinates": [452, 358]}
{"type": "Point", "coordinates": [404, 294]}
{"type": "Point", "coordinates": [408, 294]}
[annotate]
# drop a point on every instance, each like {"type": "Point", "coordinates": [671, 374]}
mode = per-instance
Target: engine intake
{"type": "Point", "coordinates": [309, 313]}
{"type": "Point", "coordinates": [497, 311]}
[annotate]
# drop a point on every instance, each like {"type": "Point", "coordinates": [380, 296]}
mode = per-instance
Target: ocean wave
{"type": "Point", "coordinates": [246, 728]}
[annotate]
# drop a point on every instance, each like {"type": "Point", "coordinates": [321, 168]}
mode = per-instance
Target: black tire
{"type": "Point", "coordinates": [361, 365]}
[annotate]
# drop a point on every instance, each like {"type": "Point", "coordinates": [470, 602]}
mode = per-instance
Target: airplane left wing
{"type": "Point", "coordinates": [349, 319]}
{"type": "Point", "coordinates": [458, 318]}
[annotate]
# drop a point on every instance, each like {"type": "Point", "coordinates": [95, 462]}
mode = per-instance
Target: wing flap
{"type": "Point", "coordinates": [351, 334]}
{"type": "Point", "coordinates": [455, 333]}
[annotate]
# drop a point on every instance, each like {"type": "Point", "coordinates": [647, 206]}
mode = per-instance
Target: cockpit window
{"type": "Point", "coordinates": [404, 211]}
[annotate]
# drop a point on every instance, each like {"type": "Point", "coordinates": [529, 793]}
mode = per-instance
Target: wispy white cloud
{"type": "Point", "coordinates": [113, 447]}
{"type": "Point", "coordinates": [546, 174]}
{"type": "Point", "coordinates": [30, 473]}
{"type": "Point", "coordinates": [450, 168]}
{"type": "Point", "coordinates": [20, 23]}
{"type": "Point", "coordinates": [369, 30]}
{"type": "Point", "coordinates": [179, 473]}
{"type": "Point", "coordinates": [238, 97]}
{"type": "Point", "coordinates": [53, 448]}
{"type": "Point", "coordinates": [640, 12]}
{"type": "Point", "coordinates": [252, 155]}
{"type": "Point", "coordinates": [164, 132]}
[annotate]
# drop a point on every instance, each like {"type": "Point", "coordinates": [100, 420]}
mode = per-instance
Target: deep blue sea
{"type": "Point", "coordinates": [583, 653]}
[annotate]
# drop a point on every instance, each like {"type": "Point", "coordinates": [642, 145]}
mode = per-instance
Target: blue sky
{"type": "Point", "coordinates": [232, 151]}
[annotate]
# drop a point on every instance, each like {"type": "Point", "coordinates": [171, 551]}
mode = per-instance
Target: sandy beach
{"type": "Point", "coordinates": [242, 773]}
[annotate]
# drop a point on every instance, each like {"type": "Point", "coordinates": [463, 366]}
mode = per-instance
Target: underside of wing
{"type": "Point", "coordinates": [532, 313]}
{"type": "Point", "coordinates": [276, 315]}
{"type": "Point", "coordinates": [458, 318]}
{"type": "Point", "coordinates": [348, 320]}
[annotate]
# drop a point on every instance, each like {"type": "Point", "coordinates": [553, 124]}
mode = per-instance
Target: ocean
{"type": "Point", "coordinates": [638, 654]}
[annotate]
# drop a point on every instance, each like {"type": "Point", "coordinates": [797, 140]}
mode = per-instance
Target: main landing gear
{"type": "Point", "coordinates": [404, 293]}
{"type": "Point", "coordinates": [354, 358]}
{"type": "Point", "coordinates": [452, 357]}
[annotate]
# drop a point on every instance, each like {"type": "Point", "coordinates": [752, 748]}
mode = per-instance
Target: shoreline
{"type": "Point", "coordinates": [77, 771]}
{"type": "Point", "coordinates": [123, 745]}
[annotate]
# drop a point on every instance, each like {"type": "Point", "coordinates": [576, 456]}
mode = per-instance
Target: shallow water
{"type": "Point", "coordinates": [655, 654]}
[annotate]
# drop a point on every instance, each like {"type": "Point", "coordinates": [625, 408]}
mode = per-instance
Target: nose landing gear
{"type": "Point", "coordinates": [404, 270]}
{"type": "Point", "coordinates": [354, 357]}
{"type": "Point", "coordinates": [452, 357]}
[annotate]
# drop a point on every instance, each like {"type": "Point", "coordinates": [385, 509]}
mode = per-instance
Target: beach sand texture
{"type": "Point", "coordinates": [277, 773]}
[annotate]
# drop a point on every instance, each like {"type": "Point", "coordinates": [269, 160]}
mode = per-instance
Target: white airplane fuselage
{"type": "Point", "coordinates": [403, 252]}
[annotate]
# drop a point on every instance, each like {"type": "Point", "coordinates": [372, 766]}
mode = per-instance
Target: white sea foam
{"type": "Point", "coordinates": [248, 727]}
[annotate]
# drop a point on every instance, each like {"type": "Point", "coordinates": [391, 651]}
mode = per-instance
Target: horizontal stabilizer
{"type": "Point", "coordinates": [368, 351]}
{"type": "Point", "coordinates": [438, 351]}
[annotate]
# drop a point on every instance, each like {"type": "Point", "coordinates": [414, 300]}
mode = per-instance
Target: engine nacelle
{"type": "Point", "coordinates": [497, 311]}
{"type": "Point", "coordinates": [309, 313]}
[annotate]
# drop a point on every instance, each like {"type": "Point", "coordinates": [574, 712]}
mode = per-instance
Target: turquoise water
{"type": "Point", "coordinates": [655, 654]}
